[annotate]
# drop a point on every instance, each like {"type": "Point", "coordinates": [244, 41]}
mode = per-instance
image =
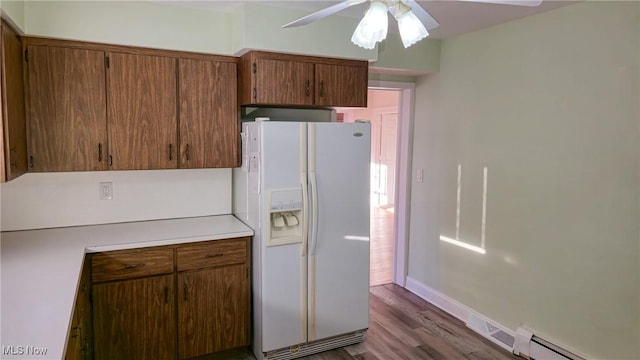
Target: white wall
{"type": "Point", "coordinates": [136, 23]}
{"type": "Point", "coordinates": [45, 200]}
{"type": "Point", "coordinates": [14, 12]}
{"type": "Point", "coordinates": [550, 104]}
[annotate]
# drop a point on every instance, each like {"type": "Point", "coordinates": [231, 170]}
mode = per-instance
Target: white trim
{"type": "Point", "coordinates": [438, 299]}
{"type": "Point", "coordinates": [403, 175]}
{"type": "Point", "coordinates": [523, 345]}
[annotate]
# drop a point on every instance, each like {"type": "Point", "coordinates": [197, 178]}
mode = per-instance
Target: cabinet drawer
{"type": "Point", "coordinates": [213, 253]}
{"type": "Point", "coordinates": [126, 264]}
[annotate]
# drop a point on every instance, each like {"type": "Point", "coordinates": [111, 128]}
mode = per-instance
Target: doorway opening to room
{"type": "Point", "coordinates": [382, 112]}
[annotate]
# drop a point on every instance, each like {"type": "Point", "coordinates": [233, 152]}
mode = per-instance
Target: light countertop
{"type": "Point", "coordinates": [40, 272]}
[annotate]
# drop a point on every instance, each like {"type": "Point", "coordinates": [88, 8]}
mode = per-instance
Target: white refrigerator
{"type": "Point", "coordinates": [304, 189]}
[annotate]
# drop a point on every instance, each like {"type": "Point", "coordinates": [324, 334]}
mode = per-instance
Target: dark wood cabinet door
{"type": "Point", "coordinates": [135, 319]}
{"type": "Point", "coordinates": [80, 341]}
{"type": "Point", "coordinates": [213, 308]}
{"type": "Point", "coordinates": [67, 118]}
{"type": "Point", "coordinates": [142, 112]}
{"type": "Point", "coordinates": [283, 82]}
{"type": "Point", "coordinates": [340, 85]}
{"type": "Point", "coordinates": [209, 128]}
{"type": "Point", "coordinates": [13, 114]}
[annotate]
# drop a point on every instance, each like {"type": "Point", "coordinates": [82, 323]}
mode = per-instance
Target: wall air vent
{"type": "Point", "coordinates": [491, 331]}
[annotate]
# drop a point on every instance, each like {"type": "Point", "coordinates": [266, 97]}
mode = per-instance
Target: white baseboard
{"type": "Point", "coordinates": [522, 344]}
{"type": "Point", "coordinates": [438, 299]}
{"type": "Point", "coordinates": [496, 333]}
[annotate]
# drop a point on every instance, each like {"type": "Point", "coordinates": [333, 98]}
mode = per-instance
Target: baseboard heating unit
{"type": "Point", "coordinates": [544, 350]}
{"type": "Point", "coordinates": [534, 347]}
{"type": "Point", "coordinates": [318, 346]}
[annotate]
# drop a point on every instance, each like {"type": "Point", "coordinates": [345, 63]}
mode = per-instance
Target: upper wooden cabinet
{"type": "Point", "coordinates": [340, 85]}
{"type": "Point", "coordinates": [67, 113]}
{"type": "Point", "coordinates": [13, 140]}
{"type": "Point", "coordinates": [142, 112]}
{"type": "Point", "coordinates": [293, 80]}
{"type": "Point", "coordinates": [98, 107]}
{"type": "Point", "coordinates": [209, 127]}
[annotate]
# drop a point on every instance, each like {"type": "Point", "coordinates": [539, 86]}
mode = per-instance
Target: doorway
{"type": "Point", "coordinates": [382, 112]}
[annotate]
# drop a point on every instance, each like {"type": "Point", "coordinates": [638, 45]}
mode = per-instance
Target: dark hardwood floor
{"type": "Point", "coordinates": [403, 326]}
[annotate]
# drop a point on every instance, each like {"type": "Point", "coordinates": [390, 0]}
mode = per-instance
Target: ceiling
{"type": "Point", "coordinates": [455, 17]}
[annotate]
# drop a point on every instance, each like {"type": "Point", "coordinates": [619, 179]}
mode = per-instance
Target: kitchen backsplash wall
{"type": "Point", "coordinates": [45, 200]}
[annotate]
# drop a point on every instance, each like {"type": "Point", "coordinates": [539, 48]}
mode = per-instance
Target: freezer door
{"type": "Point", "coordinates": [339, 237]}
{"type": "Point", "coordinates": [283, 278]}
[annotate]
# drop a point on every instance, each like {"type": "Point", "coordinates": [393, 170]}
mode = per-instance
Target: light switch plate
{"type": "Point", "coordinates": [106, 191]}
{"type": "Point", "coordinates": [420, 175]}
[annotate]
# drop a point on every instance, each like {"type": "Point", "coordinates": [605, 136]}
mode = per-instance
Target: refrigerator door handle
{"type": "Point", "coordinates": [314, 213]}
{"type": "Point", "coordinates": [305, 213]}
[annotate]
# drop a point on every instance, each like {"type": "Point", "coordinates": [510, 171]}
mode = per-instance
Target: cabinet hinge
{"type": "Point", "coordinates": [26, 55]}
{"type": "Point", "coordinates": [255, 68]}
{"type": "Point", "coordinates": [106, 61]}
{"type": "Point", "coordinates": [255, 93]}
{"type": "Point", "coordinates": [247, 273]}
{"type": "Point", "coordinates": [30, 161]}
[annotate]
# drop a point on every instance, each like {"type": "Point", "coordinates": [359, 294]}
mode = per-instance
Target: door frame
{"type": "Point", "coordinates": [404, 151]}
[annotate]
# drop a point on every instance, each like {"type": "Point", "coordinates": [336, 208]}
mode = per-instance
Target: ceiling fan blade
{"type": "Point", "coordinates": [324, 13]}
{"type": "Point", "coordinates": [510, 2]}
{"type": "Point", "coordinates": [428, 21]}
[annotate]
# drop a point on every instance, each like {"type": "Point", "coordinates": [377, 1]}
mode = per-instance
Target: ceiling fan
{"type": "Point", "coordinates": [413, 20]}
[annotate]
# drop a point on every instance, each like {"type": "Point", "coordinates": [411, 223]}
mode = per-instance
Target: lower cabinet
{"type": "Point", "coordinates": [135, 319]}
{"type": "Point", "coordinates": [80, 341]}
{"type": "Point", "coordinates": [169, 302]}
{"type": "Point", "coordinates": [213, 299]}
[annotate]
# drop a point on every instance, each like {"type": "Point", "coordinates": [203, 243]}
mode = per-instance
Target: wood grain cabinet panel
{"type": "Point", "coordinates": [209, 125]}
{"type": "Point", "coordinates": [212, 308]}
{"type": "Point", "coordinates": [144, 307]}
{"type": "Point", "coordinates": [128, 264]}
{"type": "Point", "coordinates": [213, 253]}
{"type": "Point", "coordinates": [80, 340]}
{"type": "Point", "coordinates": [67, 103]}
{"type": "Point", "coordinates": [142, 112]}
{"type": "Point", "coordinates": [283, 82]}
{"type": "Point", "coordinates": [295, 80]}
{"type": "Point", "coordinates": [135, 319]}
{"type": "Point", "coordinates": [13, 125]}
{"type": "Point", "coordinates": [340, 85]}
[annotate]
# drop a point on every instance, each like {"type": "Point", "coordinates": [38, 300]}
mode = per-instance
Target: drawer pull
{"type": "Point", "coordinates": [212, 256]}
{"type": "Point", "coordinates": [134, 266]}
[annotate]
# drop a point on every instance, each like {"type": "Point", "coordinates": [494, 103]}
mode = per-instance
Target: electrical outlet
{"type": "Point", "coordinates": [106, 191]}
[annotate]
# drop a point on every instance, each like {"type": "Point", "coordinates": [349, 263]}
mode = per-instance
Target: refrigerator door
{"type": "Point", "coordinates": [339, 237]}
{"type": "Point", "coordinates": [283, 276]}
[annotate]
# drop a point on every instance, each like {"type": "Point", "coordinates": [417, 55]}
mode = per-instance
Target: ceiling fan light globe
{"type": "Point", "coordinates": [373, 26]}
{"type": "Point", "coordinates": [411, 29]}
